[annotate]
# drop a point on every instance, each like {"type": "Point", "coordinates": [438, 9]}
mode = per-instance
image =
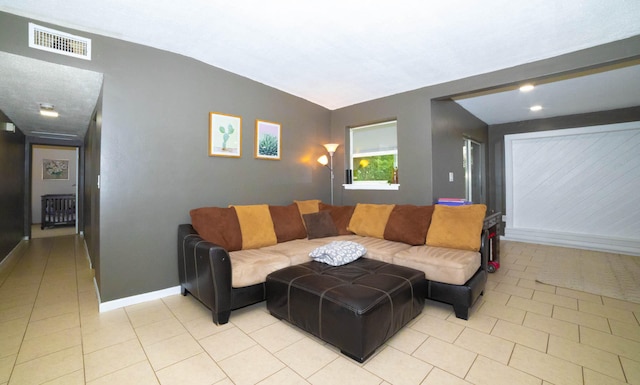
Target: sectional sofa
{"type": "Point", "coordinates": [226, 253]}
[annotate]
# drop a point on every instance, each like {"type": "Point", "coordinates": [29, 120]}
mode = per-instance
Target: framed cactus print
{"type": "Point", "coordinates": [268, 144]}
{"type": "Point", "coordinates": [225, 135]}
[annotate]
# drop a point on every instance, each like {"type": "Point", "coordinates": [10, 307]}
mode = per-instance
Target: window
{"type": "Point", "coordinates": [374, 155]}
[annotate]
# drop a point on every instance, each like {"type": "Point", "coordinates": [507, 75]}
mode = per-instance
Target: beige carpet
{"type": "Point", "coordinates": [610, 275]}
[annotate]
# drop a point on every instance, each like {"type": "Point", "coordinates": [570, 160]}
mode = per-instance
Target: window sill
{"type": "Point", "coordinates": [371, 186]}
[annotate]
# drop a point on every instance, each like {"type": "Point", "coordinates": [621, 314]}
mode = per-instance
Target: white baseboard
{"type": "Point", "coordinates": [580, 241]}
{"type": "Point", "coordinates": [140, 298]}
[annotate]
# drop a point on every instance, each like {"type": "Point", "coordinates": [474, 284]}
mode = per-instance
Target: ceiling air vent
{"type": "Point", "coordinates": [48, 39]}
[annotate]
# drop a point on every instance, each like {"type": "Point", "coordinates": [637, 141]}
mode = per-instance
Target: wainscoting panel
{"type": "Point", "coordinates": [576, 187]}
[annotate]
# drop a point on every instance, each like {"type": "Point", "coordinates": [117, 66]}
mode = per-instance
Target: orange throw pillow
{"type": "Point", "coordinates": [457, 227]}
{"type": "Point", "coordinates": [370, 220]}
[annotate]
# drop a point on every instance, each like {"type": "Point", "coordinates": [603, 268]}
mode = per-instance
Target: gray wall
{"type": "Point", "coordinates": [12, 171]}
{"type": "Point", "coordinates": [450, 124]}
{"type": "Point", "coordinates": [153, 157]}
{"type": "Point", "coordinates": [498, 131]}
{"type": "Point", "coordinates": [421, 145]}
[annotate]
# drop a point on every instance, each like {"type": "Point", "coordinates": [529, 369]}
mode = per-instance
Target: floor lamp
{"type": "Point", "coordinates": [331, 149]}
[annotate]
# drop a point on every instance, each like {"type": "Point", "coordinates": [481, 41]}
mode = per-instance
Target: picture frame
{"type": "Point", "coordinates": [225, 135]}
{"type": "Point", "coordinates": [268, 140]}
{"type": "Point", "coordinates": [55, 169]}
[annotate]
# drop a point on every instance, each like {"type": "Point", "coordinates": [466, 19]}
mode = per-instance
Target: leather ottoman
{"type": "Point", "coordinates": [355, 307]}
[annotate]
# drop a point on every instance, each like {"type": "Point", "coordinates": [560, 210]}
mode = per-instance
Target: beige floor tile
{"type": "Point", "coordinates": [168, 352]}
{"type": "Point", "coordinates": [513, 289]}
{"type": "Point", "coordinates": [51, 325]}
{"type": "Point", "coordinates": [496, 297]}
{"type": "Point", "coordinates": [535, 285]}
{"type": "Point", "coordinates": [487, 372]}
{"type": "Point", "coordinates": [233, 340]}
{"type": "Point", "coordinates": [306, 356]}
{"type": "Point", "coordinates": [440, 377]}
{"type": "Point", "coordinates": [344, 371]}
{"type": "Point", "coordinates": [10, 345]}
{"type": "Point", "coordinates": [506, 313]}
{"type": "Point", "coordinates": [529, 275]}
{"type": "Point", "coordinates": [249, 320]}
{"type": "Point", "coordinates": [554, 299]}
{"type": "Point", "coordinates": [443, 329]}
{"type": "Point", "coordinates": [587, 356]}
{"type": "Point", "coordinates": [91, 323]}
{"type": "Point", "coordinates": [437, 309]}
{"type": "Point", "coordinates": [579, 295]}
{"type": "Point", "coordinates": [478, 321]}
{"type": "Point", "coordinates": [610, 343]}
{"type": "Point", "coordinates": [631, 369]}
{"type": "Point", "coordinates": [148, 313]}
{"type": "Point", "coordinates": [6, 367]}
{"type": "Point", "coordinates": [553, 326]}
{"type": "Point", "coordinates": [594, 378]}
{"type": "Point", "coordinates": [186, 308]}
{"type": "Point", "coordinates": [522, 335]}
{"type": "Point", "coordinates": [73, 378]}
{"type": "Point", "coordinates": [15, 311]}
{"type": "Point", "coordinates": [445, 356]}
{"type": "Point", "coordinates": [624, 329]}
{"type": "Point", "coordinates": [277, 336]}
{"type": "Point", "coordinates": [285, 376]}
{"type": "Point", "coordinates": [150, 334]}
{"type": "Point", "coordinates": [397, 367]}
{"type": "Point", "coordinates": [13, 327]}
{"type": "Point", "coordinates": [607, 312]}
{"type": "Point", "coordinates": [541, 308]}
{"type": "Point", "coordinates": [50, 343]}
{"type": "Point", "coordinates": [48, 367]}
{"type": "Point", "coordinates": [111, 334]}
{"type": "Point", "coordinates": [620, 304]}
{"type": "Point", "coordinates": [197, 370]}
{"type": "Point", "coordinates": [136, 374]}
{"type": "Point", "coordinates": [202, 327]}
{"type": "Point", "coordinates": [113, 358]}
{"type": "Point", "coordinates": [581, 318]}
{"type": "Point", "coordinates": [407, 340]}
{"type": "Point", "coordinates": [263, 365]}
{"type": "Point", "coordinates": [487, 345]}
{"type": "Point", "coordinates": [549, 368]}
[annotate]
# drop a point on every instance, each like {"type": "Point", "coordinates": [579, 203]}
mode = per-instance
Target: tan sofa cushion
{"type": "Point", "coordinates": [381, 249]}
{"type": "Point", "coordinates": [456, 227]}
{"type": "Point", "coordinates": [439, 263]}
{"type": "Point", "coordinates": [250, 267]}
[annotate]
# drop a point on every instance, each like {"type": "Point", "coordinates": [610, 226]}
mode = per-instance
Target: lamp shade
{"type": "Point", "coordinates": [331, 147]}
{"type": "Point", "coordinates": [323, 160]}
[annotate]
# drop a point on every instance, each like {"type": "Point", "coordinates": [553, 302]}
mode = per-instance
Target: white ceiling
{"type": "Point", "coordinates": [341, 52]}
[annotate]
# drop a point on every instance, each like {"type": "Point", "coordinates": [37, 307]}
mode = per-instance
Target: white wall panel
{"type": "Point", "coordinates": [575, 184]}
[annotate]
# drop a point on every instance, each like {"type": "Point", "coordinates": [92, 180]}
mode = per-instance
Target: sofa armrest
{"type": "Point", "coordinates": [205, 272]}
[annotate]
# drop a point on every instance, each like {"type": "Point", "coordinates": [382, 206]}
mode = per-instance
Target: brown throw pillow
{"type": "Point", "coordinates": [218, 225]}
{"type": "Point", "coordinates": [287, 222]}
{"type": "Point", "coordinates": [341, 216]}
{"type": "Point", "coordinates": [319, 225]}
{"type": "Point", "coordinates": [408, 224]}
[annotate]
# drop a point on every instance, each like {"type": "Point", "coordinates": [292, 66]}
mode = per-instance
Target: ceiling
{"type": "Point", "coordinates": [338, 53]}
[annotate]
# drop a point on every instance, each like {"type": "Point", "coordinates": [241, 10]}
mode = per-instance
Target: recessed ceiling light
{"type": "Point", "coordinates": [48, 110]}
{"type": "Point", "coordinates": [527, 87]}
{"type": "Point", "coordinates": [535, 108]}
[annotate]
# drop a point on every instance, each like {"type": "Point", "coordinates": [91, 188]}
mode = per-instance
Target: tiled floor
{"type": "Point", "coordinates": [521, 332]}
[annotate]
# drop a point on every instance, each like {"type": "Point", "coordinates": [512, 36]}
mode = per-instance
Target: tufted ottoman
{"type": "Point", "coordinates": [355, 307]}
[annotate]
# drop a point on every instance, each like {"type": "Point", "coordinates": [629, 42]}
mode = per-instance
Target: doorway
{"type": "Point", "coordinates": [54, 182]}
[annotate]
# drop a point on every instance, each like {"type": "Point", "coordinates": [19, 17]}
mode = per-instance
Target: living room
{"type": "Point", "coordinates": [148, 145]}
